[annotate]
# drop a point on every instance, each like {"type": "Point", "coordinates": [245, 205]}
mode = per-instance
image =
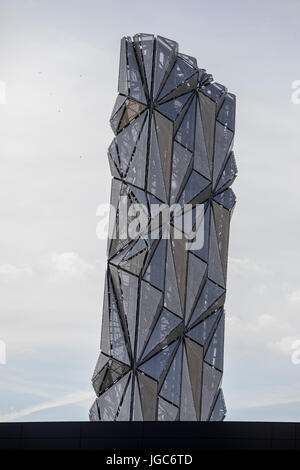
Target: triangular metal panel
{"type": "Point", "coordinates": [124, 413]}
{"type": "Point", "coordinates": [201, 163]}
{"type": "Point", "coordinates": [211, 292]}
{"type": "Point", "coordinates": [180, 255]}
{"type": "Point", "coordinates": [155, 272]}
{"type": "Point", "coordinates": [172, 298]}
{"type": "Point", "coordinates": [137, 166]}
{"type": "Point", "coordinates": [123, 82]}
{"type": "Point", "coordinates": [171, 386]}
{"type": "Point", "coordinates": [105, 342]}
{"type": "Point", "coordinates": [109, 401]}
{"type": "Point", "coordinates": [223, 142]}
{"type": "Point", "coordinates": [219, 410]}
{"type": "Point", "coordinates": [126, 141]}
{"type": "Point", "coordinates": [226, 114]}
{"type": "Point", "coordinates": [181, 160]}
{"type": "Point", "coordinates": [116, 119]}
{"type": "Point", "coordinates": [166, 411]}
{"type": "Point", "coordinates": [148, 394]}
{"type": "Point", "coordinates": [94, 414]}
{"type": "Point", "coordinates": [215, 268]}
{"type": "Point", "coordinates": [158, 363]}
{"type": "Point", "coordinates": [140, 197]}
{"type": "Point", "coordinates": [222, 221]}
{"type": "Point", "coordinates": [113, 152]}
{"type": "Point", "coordinates": [195, 185]}
{"type": "Point", "coordinates": [215, 91]}
{"type": "Point", "coordinates": [189, 59]}
{"type": "Point", "coordinates": [208, 116]}
{"type": "Point", "coordinates": [150, 301]}
{"type": "Point", "coordinates": [215, 353]}
{"type": "Point", "coordinates": [114, 170]}
{"type": "Point", "coordinates": [228, 175]}
{"type": "Point", "coordinates": [186, 132]}
{"type": "Point", "coordinates": [101, 363]}
{"type": "Point", "coordinates": [156, 184]}
{"type": "Point", "coordinates": [211, 381]}
{"type": "Point", "coordinates": [173, 107]}
{"type": "Point", "coordinates": [120, 100]}
{"type": "Point", "coordinates": [146, 42]}
{"type": "Point", "coordinates": [129, 288]}
{"type": "Point", "coordinates": [135, 264]}
{"type": "Point", "coordinates": [136, 89]}
{"type": "Point", "coordinates": [132, 110]}
{"type": "Point", "coordinates": [194, 354]}
{"type": "Point", "coordinates": [187, 407]}
{"type": "Point", "coordinates": [166, 53]}
{"type": "Point", "coordinates": [202, 236]}
{"type": "Point", "coordinates": [227, 199]}
{"type": "Point", "coordinates": [189, 85]}
{"type": "Point", "coordinates": [137, 247]}
{"type": "Point", "coordinates": [201, 332]}
{"type": "Point", "coordinates": [166, 323]}
{"type": "Point", "coordinates": [196, 271]}
{"type": "Point", "coordinates": [137, 407]}
{"type": "Point", "coordinates": [180, 72]}
{"type": "Point", "coordinates": [118, 341]}
{"type": "Point", "coordinates": [164, 132]}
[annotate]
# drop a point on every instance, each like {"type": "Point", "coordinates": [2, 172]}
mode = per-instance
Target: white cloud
{"type": "Point", "coordinates": [294, 297]}
{"type": "Point", "coordinates": [264, 319]}
{"type": "Point", "coordinates": [261, 289]}
{"type": "Point", "coordinates": [247, 265]}
{"type": "Point", "coordinates": [11, 273]}
{"type": "Point", "coordinates": [56, 266]}
{"type": "Point", "coordinates": [74, 397]}
{"type": "Point", "coordinates": [68, 265]}
{"type": "Point", "coordinates": [290, 397]}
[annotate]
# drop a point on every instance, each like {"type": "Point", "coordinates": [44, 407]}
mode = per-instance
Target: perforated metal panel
{"type": "Point", "coordinates": [162, 336]}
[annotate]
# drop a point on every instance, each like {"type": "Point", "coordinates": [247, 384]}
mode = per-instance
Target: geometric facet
{"type": "Point", "coordinates": [166, 411]}
{"type": "Point", "coordinates": [201, 332]}
{"type": "Point", "coordinates": [211, 381]}
{"type": "Point", "coordinates": [210, 293]}
{"type": "Point", "coordinates": [214, 354]}
{"type": "Point", "coordinates": [187, 407]}
{"type": "Point", "coordinates": [219, 411]}
{"type": "Point", "coordinates": [186, 132]}
{"type": "Point", "coordinates": [157, 364]}
{"type": "Point", "coordinates": [171, 386]}
{"type": "Point", "coordinates": [196, 270]}
{"type": "Point", "coordinates": [166, 323]}
{"type": "Point", "coordinates": [150, 299]}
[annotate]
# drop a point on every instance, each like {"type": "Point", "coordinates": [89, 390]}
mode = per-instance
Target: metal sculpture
{"type": "Point", "coordinates": [162, 335]}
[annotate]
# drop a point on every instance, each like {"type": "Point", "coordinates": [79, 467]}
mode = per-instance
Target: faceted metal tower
{"type": "Point", "coordinates": [162, 335]}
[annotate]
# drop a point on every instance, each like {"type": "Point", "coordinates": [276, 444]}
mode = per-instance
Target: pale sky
{"type": "Point", "coordinates": [59, 62]}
